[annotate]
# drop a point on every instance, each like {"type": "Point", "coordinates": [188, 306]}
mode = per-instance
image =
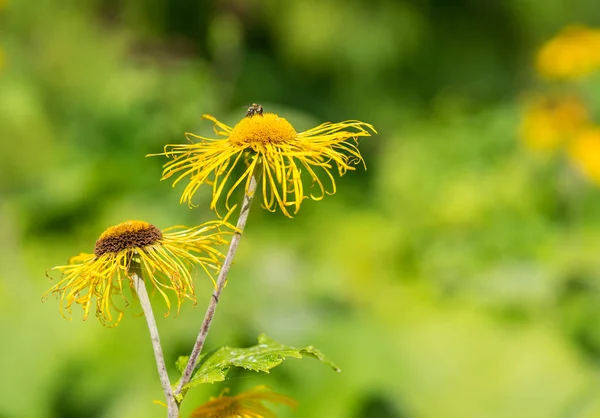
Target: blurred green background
{"type": "Point", "coordinates": [456, 277]}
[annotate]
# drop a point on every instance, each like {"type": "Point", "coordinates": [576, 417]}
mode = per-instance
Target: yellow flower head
{"type": "Point", "coordinates": [573, 53]}
{"type": "Point", "coordinates": [247, 404]}
{"type": "Point", "coordinates": [164, 259]}
{"type": "Point", "coordinates": [584, 152]}
{"type": "Point", "coordinates": [271, 150]}
{"type": "Point", "coordinates": [550, 122]}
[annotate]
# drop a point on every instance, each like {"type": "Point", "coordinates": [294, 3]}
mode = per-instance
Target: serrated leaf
{"type": "Point", "coordinates": [259, 358]}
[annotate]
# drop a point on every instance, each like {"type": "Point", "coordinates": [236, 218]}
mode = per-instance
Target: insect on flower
{"type": "Point", "coordinates": [271, 150]}
{"type": "Point", "coordinates": [255, 109]}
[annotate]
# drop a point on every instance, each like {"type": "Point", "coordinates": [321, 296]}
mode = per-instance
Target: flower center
{"type": "Point", "coordinates": [262, 129]}
{"type": "Point", "coordinates": [130, 234]}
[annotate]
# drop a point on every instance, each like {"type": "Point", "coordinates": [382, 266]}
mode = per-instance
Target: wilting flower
{"type": "Point", "coordinates": [550, 122]}
{"type": "Point", "coordinates": [164, 259]}
{"type": "Point", "coordinates": [573, 53]}
{"type": "Point", "coordinates": [247, 404]}
{"type": "Point", "coordinates": [270, 149]}
{"type": "Point", "coordinates": [584, 152]}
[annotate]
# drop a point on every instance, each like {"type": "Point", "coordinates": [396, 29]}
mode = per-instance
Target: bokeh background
{"type": "Point", "coordinates": [456, 277]}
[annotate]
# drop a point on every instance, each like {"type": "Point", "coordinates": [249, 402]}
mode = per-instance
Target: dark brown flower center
{"type": "Point", "coordinates": [130, 234]}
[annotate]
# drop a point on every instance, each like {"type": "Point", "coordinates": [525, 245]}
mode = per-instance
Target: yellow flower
{"type": "Point", "coordinates": [584, 152]}
{"type": "Point", "coordinates": [164, 259]}
{"type": "Point", "coordinates": [573, 53]}
{"type": "Point", "coordinates": [549, 122]}
{"type": "Point", "coordinates": [271, 150]}
{"type": "Point", "coordinates": [247, 404]}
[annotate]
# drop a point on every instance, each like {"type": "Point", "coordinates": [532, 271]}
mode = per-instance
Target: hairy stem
{"type": "Point", "coordinates": [140, 288]}
{"type": "Point", "coordinates": [222, 279]}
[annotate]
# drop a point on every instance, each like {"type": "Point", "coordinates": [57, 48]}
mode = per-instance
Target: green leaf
{"type": "Point", "coordinates": [213, 367]}
{"type": "Point", "coordinates": [181, 363]}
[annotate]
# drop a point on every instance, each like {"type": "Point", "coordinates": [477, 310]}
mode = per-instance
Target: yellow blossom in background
{"type": "Point", "coordinates": [548, 123]}
{"type": "Point", "coordinates": [573, 53]}
{"type": "Point", "coordinates": [248, 404]}
{"type": "Point", "coordinates": [584, 152]}
{"type": "Point", "coordinates": [269, 148]}
{"type": "Point", "coordinates": [164, 259]}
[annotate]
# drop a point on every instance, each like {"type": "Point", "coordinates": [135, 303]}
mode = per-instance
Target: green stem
{"type": "Point", "coordinates": [140, 288]}
{"type": "Point", "coordinates": [222, 279]}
